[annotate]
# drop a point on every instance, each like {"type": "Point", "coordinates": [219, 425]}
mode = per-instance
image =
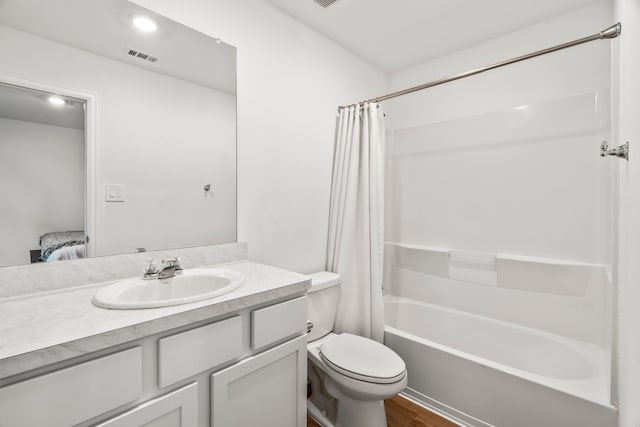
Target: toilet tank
{"type": "Point", "coordinates": [322, 303]}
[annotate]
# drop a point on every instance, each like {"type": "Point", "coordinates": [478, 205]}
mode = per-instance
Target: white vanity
{"type": "Point", "coordinates": [235, 360]}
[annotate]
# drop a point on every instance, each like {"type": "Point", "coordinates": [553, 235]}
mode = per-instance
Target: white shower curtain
{"type": "Point", "coordinates": [356, 221]}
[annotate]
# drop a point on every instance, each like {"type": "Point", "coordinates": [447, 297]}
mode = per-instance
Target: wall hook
{"type": "Point", "coordinates": [208, 191]}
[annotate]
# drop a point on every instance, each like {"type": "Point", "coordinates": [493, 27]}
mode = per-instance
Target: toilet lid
{"type": "Point", "coordinates": [363, 359]}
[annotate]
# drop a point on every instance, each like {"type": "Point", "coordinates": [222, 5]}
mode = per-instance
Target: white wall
{"type": "Point", "coordinates": [572, 71]}
{"type": "Point", "coordinates": [627, 128]}
{"type": "Point", "coordinates": [154, 136]}
{"type": "Point", "coordinates": [290, 81]}
{"type": "Point", "coordinates": [525, 181]}
{"type": "Point", "coordinates": [42, 185]}
{"type": "Point", "coordinates": [467, 171]}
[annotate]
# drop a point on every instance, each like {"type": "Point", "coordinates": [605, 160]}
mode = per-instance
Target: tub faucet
{"type": "Point", "coordinates": [170, 267]}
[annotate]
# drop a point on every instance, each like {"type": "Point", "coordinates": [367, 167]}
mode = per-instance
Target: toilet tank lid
{"type": "Point", "coordinates": [322, 280]}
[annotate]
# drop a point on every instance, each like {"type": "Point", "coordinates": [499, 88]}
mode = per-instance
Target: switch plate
{"type": "Point", "coordinates": [114, 193]}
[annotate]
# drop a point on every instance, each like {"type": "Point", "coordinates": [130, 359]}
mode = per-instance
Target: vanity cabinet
{"type": "Point", "coordinates": [73, 394]}
{"type": "Point", "coordinates": [185, 354]}
{"type": "Point", "coordinates": [268, 389]}
{"type": "Point", "coordinates": [176, 409]}
{"type": "Point", "coordinates": [241, 369]}
{"type": "Point", "coordinates": [276, 322]}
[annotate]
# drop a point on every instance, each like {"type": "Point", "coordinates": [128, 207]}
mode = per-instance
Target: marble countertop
{"type": "Point", "coordinates": [40, 329]}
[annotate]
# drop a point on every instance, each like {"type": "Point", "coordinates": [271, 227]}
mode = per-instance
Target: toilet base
{"type": "Point", "coordinates": [318, 415]}
{"type": "Point", "coordinates": [351, 414]}
{"type": "Point", "coordinates": [357, 413]}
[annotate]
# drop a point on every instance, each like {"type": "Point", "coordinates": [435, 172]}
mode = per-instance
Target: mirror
{"type": "Point", "coordinates": [140, 152]}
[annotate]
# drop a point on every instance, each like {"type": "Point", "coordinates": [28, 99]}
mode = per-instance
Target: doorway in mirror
{"type": "Point", "coordinates": [43, 173]}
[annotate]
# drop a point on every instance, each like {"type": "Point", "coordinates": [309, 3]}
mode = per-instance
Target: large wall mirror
{"type": "Point", "coordinates": [117, 132]}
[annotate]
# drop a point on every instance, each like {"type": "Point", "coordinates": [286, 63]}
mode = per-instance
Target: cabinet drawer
{"type": "Point", "coordinates": [176, 409]}
{"type": "Point", "coordinates": [277, 322]}
{"type": "Point", "coordinates": [74, 394]}
{"type": "Point", "coordinates": [188, 353]}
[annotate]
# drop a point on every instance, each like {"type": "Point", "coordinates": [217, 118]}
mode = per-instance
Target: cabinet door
{"type": "Point", "coordinates": [268, 389]}
{"type": "Point", "coordinates": [176, 409]}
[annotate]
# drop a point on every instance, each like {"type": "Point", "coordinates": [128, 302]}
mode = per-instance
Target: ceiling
{"type": "Point", "coordinates": [104, 27]}
{"type": "Point", "coordinates": [29, 105]}
{"type": "Point", "coordinates": [393, 35]}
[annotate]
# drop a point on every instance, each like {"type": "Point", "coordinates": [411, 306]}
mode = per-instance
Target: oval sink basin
{"type": "Point", "coordinates": [194, 284]}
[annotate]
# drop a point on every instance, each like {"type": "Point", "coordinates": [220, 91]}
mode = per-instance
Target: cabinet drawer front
{"type": "Point", "coordinates": [176, 409]}
{"type": "Point", "coordinates": [277, 322]}
{"type": "Point", "coordinates": [74, 394]}
{"type": "Point", "coordinates": [188, 353]}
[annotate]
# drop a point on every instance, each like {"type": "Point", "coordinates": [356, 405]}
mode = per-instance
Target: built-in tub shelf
{"type": "Point", "coordinates": [506, 271]}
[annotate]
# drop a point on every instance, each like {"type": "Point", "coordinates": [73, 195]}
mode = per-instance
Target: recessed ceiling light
{"type": "Point", "coordinates": [56, 100]}
{"type": "Point", "coordinates": [144, 23]}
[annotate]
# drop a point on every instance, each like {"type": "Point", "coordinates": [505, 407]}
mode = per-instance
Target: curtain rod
{"type": "Point", "coordinates": [609, 33]}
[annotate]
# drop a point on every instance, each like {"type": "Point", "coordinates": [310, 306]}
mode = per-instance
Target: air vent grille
{"type": "Point", "coordinates": [325, 3]}
{"type": "Point", "coordinates": [141, 55]}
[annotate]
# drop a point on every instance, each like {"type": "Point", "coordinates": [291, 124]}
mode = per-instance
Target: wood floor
{"type": "Point", "coordinates": [404, 413]}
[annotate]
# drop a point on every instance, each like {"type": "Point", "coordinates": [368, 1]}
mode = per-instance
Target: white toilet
{"type": "Point", "coordinates": [350, 375]}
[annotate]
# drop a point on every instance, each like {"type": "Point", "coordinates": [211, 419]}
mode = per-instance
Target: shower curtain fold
{"type": "Point", "coordinates": [356, 221]}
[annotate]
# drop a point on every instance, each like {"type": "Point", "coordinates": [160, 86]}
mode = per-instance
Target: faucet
{"type": "Point", "coordinates": [170, 267]}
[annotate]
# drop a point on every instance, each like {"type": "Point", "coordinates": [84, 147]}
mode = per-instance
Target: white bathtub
{"type": "Point", "coordinates": [484, 372]}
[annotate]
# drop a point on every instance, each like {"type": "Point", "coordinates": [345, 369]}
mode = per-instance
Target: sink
{"type": "Point", "coordinates": [194, 284]}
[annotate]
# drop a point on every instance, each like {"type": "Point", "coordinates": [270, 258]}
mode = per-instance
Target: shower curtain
{"type": "Point", "coordinates": [356, 220]}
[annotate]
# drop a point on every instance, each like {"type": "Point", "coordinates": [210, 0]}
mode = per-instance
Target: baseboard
{"type": "Point", "coordinates": [460, 418]}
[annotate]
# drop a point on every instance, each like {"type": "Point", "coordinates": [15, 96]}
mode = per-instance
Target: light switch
{"type": "Point", "coordinates": [114, 193]}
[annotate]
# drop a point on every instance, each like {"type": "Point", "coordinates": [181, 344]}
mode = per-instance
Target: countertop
{"type": "Point", "coordinates": [41, 329]}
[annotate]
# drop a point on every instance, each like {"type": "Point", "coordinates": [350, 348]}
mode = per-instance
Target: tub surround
{"type": "Point", "coordinates": [34, 278]}
{"type": "Point", "coordinates": [49, 327]}
{"type": "Point", "coordinates": [565, 298]}
{"type": "Point", "coordinates": [525, 273]}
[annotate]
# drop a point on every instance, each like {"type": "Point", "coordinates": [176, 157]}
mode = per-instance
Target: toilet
{"type": "Point", "coordinates": [350, 375]}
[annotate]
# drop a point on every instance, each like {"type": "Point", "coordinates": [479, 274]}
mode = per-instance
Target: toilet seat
{"type": "Point", "coordinates": [362, 359]}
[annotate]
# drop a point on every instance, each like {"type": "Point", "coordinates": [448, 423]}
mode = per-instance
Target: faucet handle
{"type": "Point", "coordinates": [150, 270]}
{"type": "Point", "coordinates": [178, 263]}
{"type": "Point", "coordinates": [173, 262]}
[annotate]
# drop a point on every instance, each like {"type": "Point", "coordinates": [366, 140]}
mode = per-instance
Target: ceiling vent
{"type": "Point", "coordinates": [325, 3]}
{"type": "Point", "coordinates": [141, 55]}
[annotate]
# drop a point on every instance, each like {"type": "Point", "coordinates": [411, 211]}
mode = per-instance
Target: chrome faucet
{"type": "Point", "coordinates": [170, 267]}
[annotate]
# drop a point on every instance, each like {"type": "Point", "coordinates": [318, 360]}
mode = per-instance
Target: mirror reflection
{"type": "Point", "coordinates": [117, 132]}
{"type": "Point", "coordinates": [42, 152]}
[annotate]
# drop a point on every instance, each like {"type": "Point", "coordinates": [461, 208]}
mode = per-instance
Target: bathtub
{"type": "Point", "coordinates": [480, 371]}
